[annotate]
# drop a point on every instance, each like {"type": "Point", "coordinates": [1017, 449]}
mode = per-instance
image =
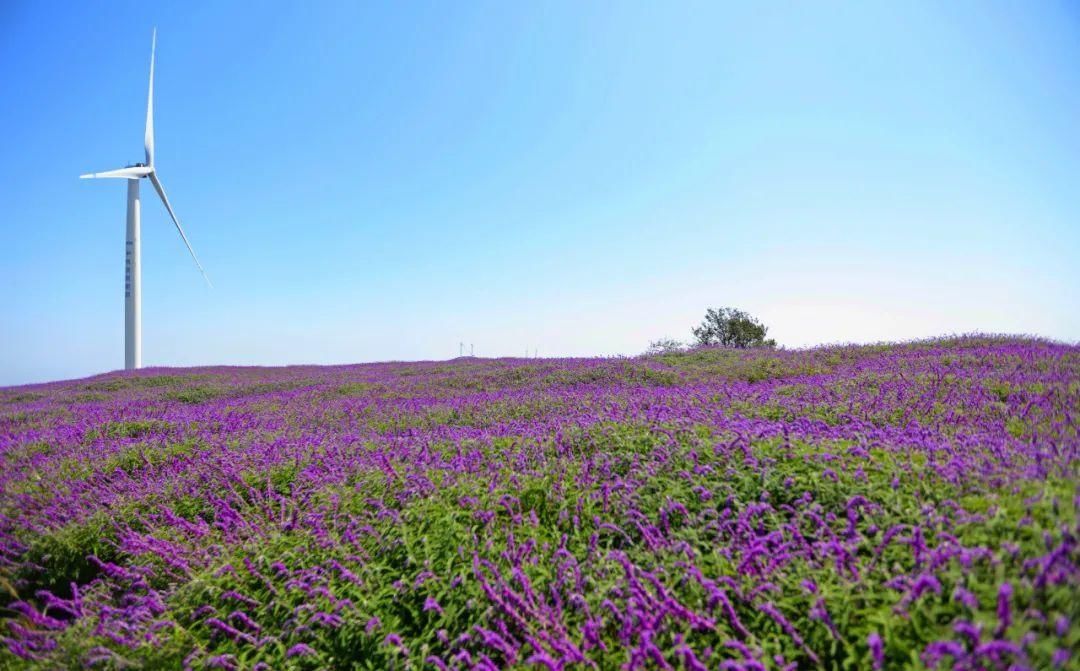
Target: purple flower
{"type": "Point", "coordinates": [431, 604]}
{"type": "Point", "coordinates": [938, 650]}
{"type": "Point", "coordinates": [300, 650]}
{"type": "Point", "coordinates": [1061, 626]}
{"type": "Point", "coordinates": [925, 583]}
{"type": "Point", "coordinates": [877, 650]}
{"type": "Point", "coordinates": [965, 597]}
{"type": "Point", "coordinates": [972, 632]}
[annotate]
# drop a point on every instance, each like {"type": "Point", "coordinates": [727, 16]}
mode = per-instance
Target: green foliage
{"type": "Point", "coordinates": [614, 372]}
{"type": "Point", "coordinates": [90, 397]}
{"type": "Point", "coordinates": [139, 382]}
{"type": "Point", "coordinates": [354, 389]}
{"type": "Point", "coordinates": [131, 429]}
{"type": "Point", "coordinates": [61, 556]}
{"type": "Point", "coordinates": [194, 395]}
{"type": "Point", "coordinates": [134, 457]}
{"type": "Point", "coordinates": [279, 477]}
{"type": "Point", "coordinates": [737, 364]}
{"type": "Point", "coordinates": [20, 397]}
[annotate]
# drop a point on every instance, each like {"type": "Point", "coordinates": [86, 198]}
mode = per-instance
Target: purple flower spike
{"type": "Point", "coordinates": [300, 650]}
{"type": "Point", "coordinates": [877, 650]}
{"type": "Point", "coordinates": [1004, 610]}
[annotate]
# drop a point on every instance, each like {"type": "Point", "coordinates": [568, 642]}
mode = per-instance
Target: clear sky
{"type": "Point", "coordinates": [383, 181]}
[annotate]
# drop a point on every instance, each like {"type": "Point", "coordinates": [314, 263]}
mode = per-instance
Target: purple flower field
{"type": "Point", "coordinates": [877, 507]}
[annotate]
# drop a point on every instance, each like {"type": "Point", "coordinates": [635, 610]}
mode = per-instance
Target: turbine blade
{"type": "Point", "coordinates": [148, 140]}
{"type": "Point", "coordinates": [135, 172]}
{"type": "Point", "coordinates": [164, 199]}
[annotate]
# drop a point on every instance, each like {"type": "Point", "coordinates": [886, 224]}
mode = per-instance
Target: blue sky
{"type": "Point", "coordinates": [383, 181]}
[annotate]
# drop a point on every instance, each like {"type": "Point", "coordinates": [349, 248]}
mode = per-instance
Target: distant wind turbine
{"type": "Point", "coordinates": [132, 263]}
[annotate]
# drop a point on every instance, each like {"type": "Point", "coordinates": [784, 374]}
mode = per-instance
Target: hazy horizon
{"type": "Point", "coordinates": [688, 346]}
{"type": "Point", "coordinates": [370, 184]}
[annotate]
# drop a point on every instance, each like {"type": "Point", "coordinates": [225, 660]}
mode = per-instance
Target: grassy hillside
{"type": "Point", "coordinates": [884, 507]}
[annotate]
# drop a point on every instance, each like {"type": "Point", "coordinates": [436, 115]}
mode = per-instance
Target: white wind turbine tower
{"type": "Point", "coordinates": [132, 254]}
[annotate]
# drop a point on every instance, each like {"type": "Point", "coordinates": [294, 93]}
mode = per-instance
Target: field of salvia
{"type": "Point", "coordinates": [882, 507]}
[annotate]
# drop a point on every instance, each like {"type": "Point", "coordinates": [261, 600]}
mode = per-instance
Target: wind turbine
{"type": "Point", "coordinates": [132, 253]}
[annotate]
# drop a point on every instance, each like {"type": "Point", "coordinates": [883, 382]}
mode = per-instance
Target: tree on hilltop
{"type": "Point", "coordinates": [731, 327]}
